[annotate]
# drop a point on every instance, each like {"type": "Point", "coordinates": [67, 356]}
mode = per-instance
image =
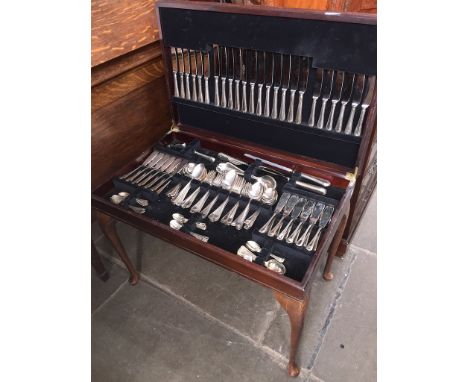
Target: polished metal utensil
{"type": "Point", "coordinates": [261, 82]}
{"type": "Point", "coordinates": [303, 80]}
{"type": "Point", "coordinates": [292, 201]}
{"type": "Point", "coordinates": [237, 77]}
{"type": "Point", "coordinates": [279, 207]}
{"type": "Point", "coordinates": [193, 72]}
{"type": "Point", "coordinates": [246, 254]}
{"type": "Point", "coordinates": [318, 84]}
{"type": "Point", "coordinates": [217, 73]}
{"type": "Point", "coordinates": [229, 217]}
{"type": "Point", "coordinates": [268, 84]}
{"type": "Point", "coordinates": [174, 224]}
{"type": "Point", "coordinates": [293, 89]}
{"type": "Point", "coordinates": [306, 211]}
{"type": "Point", "coordinates": [294, 215]}
{"type": "Point", "coordinates": [205, 212]}
{"type": "Point", "coordinates": [199, 75]}
{"type": "Point", "coordinates": [324, 220]}
{"type": "Point", "coordinates": [370, 84]}
{"type": "Point", "coordinates": [187, 70]}
{"type": "Point", "coordinates": [357, 98]}
{"type": "Point", "coordinates": [284, 88]}
{"type": "Point", "coordinates": [181, 73]}
{"type": "Point", "coordinates": [253, 246]}
{"type": "Point", "coordinates": [230, 77]}
{"type": "Point", "coordinates": [146, 168]}
{"type": "Point", "coordinates": [224, 67]}
{"type": "Point", "coordinates": [336, 97]}
{"type": "Point", "coordinates": [204, 156]}
{"type": "Point", "coordinates": [201, 202]}
{"type": "Point", "coordinates": [255, 192]}
{"type": "Point", "coordinates": [164, 170]}
{"type": "Point", "coordinates": [275, 266]}
{"type": "Point", "coordinates": [249, 222]}
{"type": "Point", "coordinates": [206, 76]}
{"type": "Point", "coordinates": [154, 170]}
{"type": "Point", "coordinates": [252, 73]}
{"type": "Point", "coordinates": [197, 173]}
{"type": "Point", "coordinates": [187, 203]}
{"type": "Point", "coordinates": [346, 97]}
{"type": "Point", "coordinates": [179, 218]}
{"type": "Point", "coordinates": [147, 162]}
{"type": "Point", "coordinates": [322, 182]}
{"type": "Point", "coordinates": [326, 94]}
{"type": "Point", "coordinates": [173, 191]}
{"type": "Point", "coordinates": [276, 86]}
{"type": "Point", "coordinates": [230, 180]}
{"type": "Point", "coordinates": [243, 79]}
{"type": "Point", "coordinates": [138, 210]}
{"type": "Point", "coordinates": [199, 237]}
{"type": "Point", "coordinates": [142, 202]}
{"type": "Point", "coordinates": [314, 217]}
{"type": "Point", "coordinates": [231, 159]}
{"type": "Point", "coordinates": [162, 184]}
{"type": "Point", "coordinates": [175, 70]}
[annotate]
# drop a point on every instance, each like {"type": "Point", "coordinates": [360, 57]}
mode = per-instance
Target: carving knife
{"type": "Point", "coordinates": [322, 182]}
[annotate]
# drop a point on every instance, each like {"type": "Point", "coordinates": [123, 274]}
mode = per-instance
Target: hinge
{"type": "Point", "coordinates": [351, 176]}
{"type": "Point", "coordinates": [174, 128]}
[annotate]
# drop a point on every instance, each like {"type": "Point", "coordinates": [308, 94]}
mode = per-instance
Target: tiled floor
{"type": "Point", "coordinates": [174, 326]}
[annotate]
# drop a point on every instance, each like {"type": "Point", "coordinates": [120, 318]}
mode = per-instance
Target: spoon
{"type": "Point", "coordinates": [224, 167]}
{"type": "Point", "coordinates": [253, 246]}
{"type": "Point", "coordinates": [179, 218]}
{"type": "Point", "coordinates": [174, 224]}
{"type": "Point", "coordinates": [255, 192]}
{"type": "Point", "coordinates": [267, 180]}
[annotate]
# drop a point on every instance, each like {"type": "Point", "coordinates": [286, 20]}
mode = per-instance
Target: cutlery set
{"type": "Point", "coordinates": [274, 85]}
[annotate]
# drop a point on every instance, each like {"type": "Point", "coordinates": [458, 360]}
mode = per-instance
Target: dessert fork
{"type": "Point", "coordinates": [308, 208]}
{"type": "Point", "coordinates": [292, 201]}
{"type": "Point", "coordinates": [324, 220]}
{"type": "Point", "coordinates": [294, 215]}
{"type": "Point", "coordinates": [279, 207]}
{"type": "Point", "coordinates": [314, 217]}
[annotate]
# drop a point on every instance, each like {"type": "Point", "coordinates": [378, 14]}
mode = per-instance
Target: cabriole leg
{"type": "Point", "coordinates": [107, 225]}
{"type": "Point", "coordinates": [296, 311]}
{"type": "Point", "coordinates": [327, 273]}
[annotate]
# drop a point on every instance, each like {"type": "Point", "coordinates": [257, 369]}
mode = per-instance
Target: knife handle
{"type": "Point", "coordinates": [292, 93]}
{"type": "Point", "coordinates": [322, 114]}
{"type": "Point", "coordinates": [274, 111]}
{"type": "Point", "coordinates": [230, 97]}
{"type": "Point", "coordinates": [259, 100]}
{"type": "Point", "coordinates": [182, 90]}
{"type": "Point", "coordinates": [194, 88]}
{"type": "Point", "coordinates": [358, 130]}
{"type": "Point", "coordinates": [310, 187]}
{"type": "Point", "coordinates": [266, 109]}
{"type": "Point", "coordinates": [237, 99]}
{"type": "Point", "coordinates": [176, 86]}
{"type": "Point", "coordinates": [312, 112]}
{"type": "Point", "coordinates": [339, 123]}
{"type": "Point", "coordinates": [244, 96]}
{"type": "Point", "coordinates": [223, 92]}
{"type": "Point", "coordinates": [322, 182]}
{"type": "Point", "coordinates": [329, 124]}
{"type": "Point", "coordinates": [252, 98]}
{"type": "Point", "coordinates": [282, 114]}
{"type": "Point", "coordinates": [187, 86]}
{"type": "Point", "coordinates": [216, 78]}
{"type": "Point", "coordinates": [349, 125]}
{"type": "Point", "coordinates": [200, 90]}
{"type": "Point", "coordinates": [299, 107]}
{"type": "Point", "coordinates": [207, 91]}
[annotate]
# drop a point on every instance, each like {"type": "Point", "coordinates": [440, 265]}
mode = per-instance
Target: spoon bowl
{"type": "Point", "coordinates": [255, 191]}
{"type": "Point", "coordinates": [229, 179]}
{"type": "Point", "coordinates": [253, 246]}
{"type": "Point", "coordinates": [179, 218]}
{"type": "Point", "coordinates": [174, 224]}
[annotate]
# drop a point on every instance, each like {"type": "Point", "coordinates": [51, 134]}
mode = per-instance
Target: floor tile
{"type": "Point", "coordinates": [101, 290]}
{"type": "Point", "coordinates": [323, 294]}
{"type": "Point", "coordinates": [238, 302]}
{"type": "Point", "coordinates": [366, 233]}
{"type": "Point", "coordinates": [143, 334]}
{"type": "Point", "coordinates": [349, 350]}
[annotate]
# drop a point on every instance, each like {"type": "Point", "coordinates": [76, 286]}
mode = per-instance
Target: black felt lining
{"type": "Point", "coordinates": [228, 238]}
{"type": "Point", "coordinates": [344, 46]}
{"type": "Point", "coordinates": [298, 139]}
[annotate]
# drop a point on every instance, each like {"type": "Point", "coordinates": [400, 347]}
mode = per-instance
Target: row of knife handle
{"type": "Point", "coordinates": [232, 100]}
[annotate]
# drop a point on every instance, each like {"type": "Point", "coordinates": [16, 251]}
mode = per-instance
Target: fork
{"type": "Point", "coordinates": [327, 90]}
{"type": "Point", "coordinates": [149, 159]}
{"type": "Point", "coordinates": [148, 164]}
{"type": "Point", "coordinates": [365, 104]}
{"type": "Point", "coordinates": [336, 96]}
{"type": "Point", "coordinates": [279, 207]}
{"type": "Point", "coordinates": [346, 97]}
{"type": "Point", "coordinates": [302, 86]}
{"type": "Point", "coordinates": [324, 220]}
{"type": "Point", "coordinates": [318, 84]}
{"type": "Point", "coordinates": [294, 215]}
{"type": "Point", "coordinates": [357, 98]}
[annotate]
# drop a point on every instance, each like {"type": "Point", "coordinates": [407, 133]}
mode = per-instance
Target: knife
{"type": "Point", "coordinates": [322, 182]}
{"type": "Point", "coordinates": [357, 98]}
{"type": "Point", "coordinates": [365, 104]}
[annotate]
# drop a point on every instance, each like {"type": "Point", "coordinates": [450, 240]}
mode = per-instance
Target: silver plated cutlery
{"type": "Point", "coordinates": [356, 100]}
{"type": "Point", "coordinates": [326, 94]}
{"type": "Point", "coordinates": [318, 84]}
{"type": "Point", "coordinates": [302, 86]}
{"type": "Point", "coordinates": [365, 104]}
{"type": "Point", "coordinates": [314, 217]}
{"type": "Point", "coordinates": [346, 97]}
{"type": "Point", "coordinates": [284, 88]}
{"type": "Point", "coordinates": [336, 97]}
{"type": "Point", "coordinates": [325, 218]}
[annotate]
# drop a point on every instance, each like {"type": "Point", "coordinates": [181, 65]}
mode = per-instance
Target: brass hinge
{"type": "Point", "coordinates": [174, 128]}
{"type": "Point", "coordinates": [351, 176]}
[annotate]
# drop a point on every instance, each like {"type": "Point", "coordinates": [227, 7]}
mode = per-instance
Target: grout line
{"type": "Point", "coordinates": [110, 297]}
{"type": "Point", "coordinates": [268, 323]}
{"type": "Point", "coordinates": [331, 313]}
{"type": "Point", "coordinates": [363, 250]}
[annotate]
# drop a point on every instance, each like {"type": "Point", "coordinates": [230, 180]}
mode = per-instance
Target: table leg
{"type": "Point", "coordinates": [107, 225]}
{"type": "Point", "coordinates": [97, 264]}
{"type": "Point", "coordinates": [296, 311]}
{"type": "Point", "coordinates": [327, 273]}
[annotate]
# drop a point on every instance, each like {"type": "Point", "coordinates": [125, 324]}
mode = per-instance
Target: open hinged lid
{"type": "Point", "coordinates": [291, 79]}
